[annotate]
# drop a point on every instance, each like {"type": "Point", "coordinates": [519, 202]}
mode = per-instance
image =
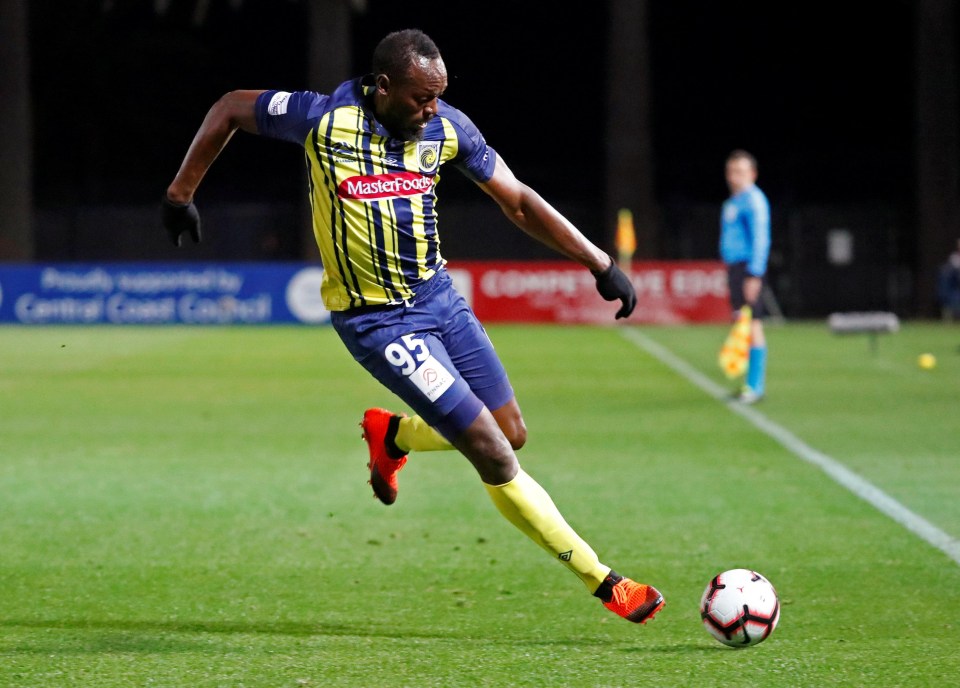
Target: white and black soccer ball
{"type": "Point", "coordinates": [740, 608]}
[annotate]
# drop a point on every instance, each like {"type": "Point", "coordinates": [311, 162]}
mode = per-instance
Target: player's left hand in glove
{"type": "Point", "coordinates": [613, 284]}
{"type": "Point", "coordinates": [178, 219]}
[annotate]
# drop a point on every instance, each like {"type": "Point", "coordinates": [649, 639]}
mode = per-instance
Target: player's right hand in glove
{"type": "Point", "coordinates": [613, 284]}
{"type": "Point", "coordinates": [178, 219]}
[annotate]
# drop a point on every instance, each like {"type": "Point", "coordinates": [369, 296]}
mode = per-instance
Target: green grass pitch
{"type": "Point", "coordinates": [189, 507]}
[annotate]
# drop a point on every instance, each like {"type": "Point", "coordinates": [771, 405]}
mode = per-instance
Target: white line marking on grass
{"type": "Point", "coordinates": [862, 488]}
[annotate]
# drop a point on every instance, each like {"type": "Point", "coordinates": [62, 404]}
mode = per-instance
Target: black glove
{"type": "Point", "coordinates": [179, 219]}
{"type": "Point", "coordinates": [613, 284]}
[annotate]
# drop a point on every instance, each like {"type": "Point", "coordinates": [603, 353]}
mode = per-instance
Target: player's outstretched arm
{"type": "Point", "coordinates": [528, 211]}
{"type": "Point", "coordinates": [233, 111]}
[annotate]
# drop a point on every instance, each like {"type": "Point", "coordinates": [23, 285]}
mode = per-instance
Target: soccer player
{"type": "Point", "coordinates": [373, 150]}
{"type": "Point", "coordinates": [744, 248]}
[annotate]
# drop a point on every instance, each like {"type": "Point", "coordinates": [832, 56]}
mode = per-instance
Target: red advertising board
{"type": "Point", "coordinates": [668, 292]}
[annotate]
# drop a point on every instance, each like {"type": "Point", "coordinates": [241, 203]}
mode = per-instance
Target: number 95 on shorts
{"type": "Point", "coordinates": [412, 359]}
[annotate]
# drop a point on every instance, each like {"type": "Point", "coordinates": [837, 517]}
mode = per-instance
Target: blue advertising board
{"type": "Point", "coordinates": [161, 293]}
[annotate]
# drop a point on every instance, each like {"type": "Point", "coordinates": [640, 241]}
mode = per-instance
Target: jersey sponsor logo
{"type": "Point", "coordinates": [428, 155]}
{"type": "Point", "coordinates": [278, 103]}
{"type": "Point", "coordinates": [391, 185]}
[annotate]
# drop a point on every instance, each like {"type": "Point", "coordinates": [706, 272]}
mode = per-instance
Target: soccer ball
{"type": "Point", "coordinates": [740, 608]}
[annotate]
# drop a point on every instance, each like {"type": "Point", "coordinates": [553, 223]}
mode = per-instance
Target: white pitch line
{"type": "Point", "coordinates": [842, 475]}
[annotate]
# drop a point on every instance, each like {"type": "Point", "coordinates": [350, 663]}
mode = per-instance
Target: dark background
{"type": "Point", "coordinates": [822, 93]}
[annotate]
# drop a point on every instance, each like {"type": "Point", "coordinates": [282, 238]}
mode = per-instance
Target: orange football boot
{"type": "Point", "coordinates": [383, 468]}
{"type": "Point", "coordinates": [634, 601]}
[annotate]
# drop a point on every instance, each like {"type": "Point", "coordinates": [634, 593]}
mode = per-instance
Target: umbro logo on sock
{"type": "Point", "coordinates": [566, 556]}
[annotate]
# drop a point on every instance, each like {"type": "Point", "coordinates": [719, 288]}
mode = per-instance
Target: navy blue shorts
{"type": "Point", "coordinates": [736, 274]}
{"type": "Point", "coordinates": [433, 353]}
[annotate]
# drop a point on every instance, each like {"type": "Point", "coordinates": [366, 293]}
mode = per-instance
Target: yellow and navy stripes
{"type": "Point", "coordinates": [372, 196]}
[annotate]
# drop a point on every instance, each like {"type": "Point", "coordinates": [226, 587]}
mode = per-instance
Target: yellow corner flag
{"type": "Point", "coordinates": [626, 239]}
{"type": "Point", "coordinates": [735, 352]}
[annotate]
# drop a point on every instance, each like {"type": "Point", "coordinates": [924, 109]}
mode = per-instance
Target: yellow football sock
{"type": "Point", "coordinates": [414, 434]}
{"type": "Point", "coordinates": [528, 506]}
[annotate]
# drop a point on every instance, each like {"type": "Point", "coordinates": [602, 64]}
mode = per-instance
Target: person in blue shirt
{"type": "Point", "coordinates": [745, 248]}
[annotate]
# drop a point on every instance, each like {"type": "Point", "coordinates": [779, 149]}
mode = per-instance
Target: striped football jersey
{"type": "Point", "coordinates": [373, 197]}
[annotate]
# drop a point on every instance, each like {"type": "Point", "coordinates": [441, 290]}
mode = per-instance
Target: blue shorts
{"type": "Point", "coordinates": [433, 353]}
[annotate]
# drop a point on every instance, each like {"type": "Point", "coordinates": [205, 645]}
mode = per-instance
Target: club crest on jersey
{"type": "Point", "coordinates": [428, 155]}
